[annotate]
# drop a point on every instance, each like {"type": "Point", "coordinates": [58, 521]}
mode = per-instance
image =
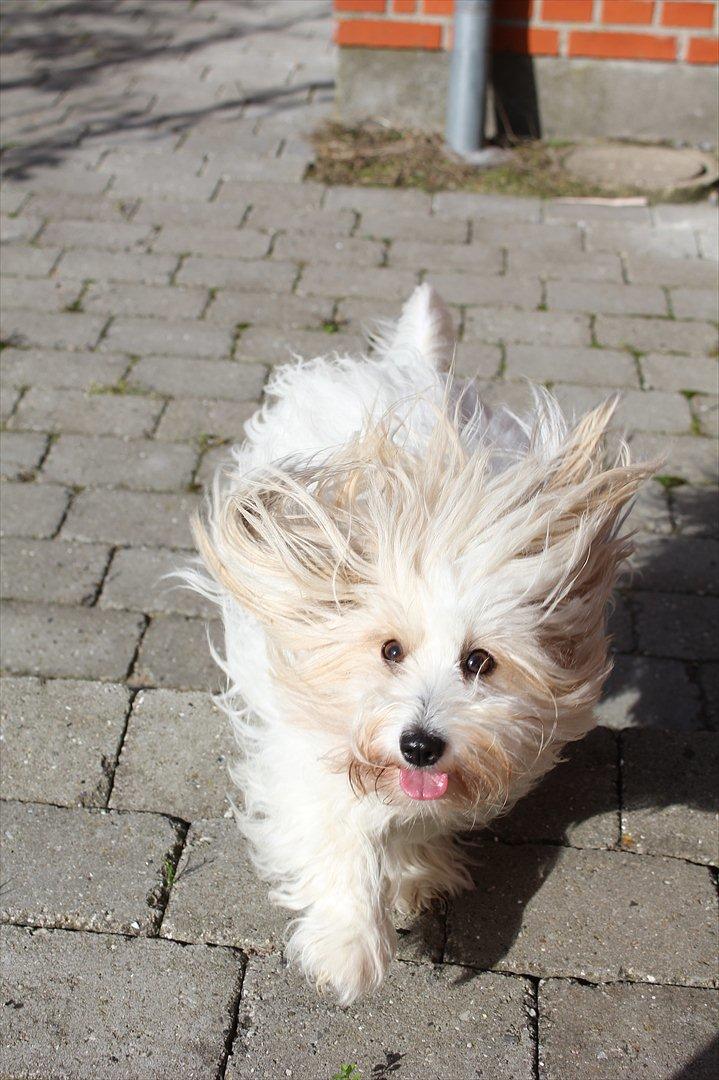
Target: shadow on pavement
{"type": "Point", "coordinates": [58, 57]}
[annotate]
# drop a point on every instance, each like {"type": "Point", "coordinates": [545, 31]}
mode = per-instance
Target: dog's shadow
{"type": "Point", "coordinates": [653, 759]}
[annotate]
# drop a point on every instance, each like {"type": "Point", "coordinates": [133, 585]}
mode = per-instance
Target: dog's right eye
{"type": "Point", "coordinates": [392, 651]}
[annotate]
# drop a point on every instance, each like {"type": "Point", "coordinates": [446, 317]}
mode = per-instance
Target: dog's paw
{"type": "Point", "coordinates": [345, 961]}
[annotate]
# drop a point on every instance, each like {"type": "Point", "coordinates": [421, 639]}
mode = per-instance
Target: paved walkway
{"type": "Point", "coordinates": [161, 254]}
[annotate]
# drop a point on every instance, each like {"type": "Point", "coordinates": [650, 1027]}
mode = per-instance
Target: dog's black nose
{"type": "Point", "coordinates": [420, 748]}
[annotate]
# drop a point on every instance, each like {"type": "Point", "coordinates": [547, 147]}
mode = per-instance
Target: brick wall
{"type": "Point", "coordinates": [683, 31]}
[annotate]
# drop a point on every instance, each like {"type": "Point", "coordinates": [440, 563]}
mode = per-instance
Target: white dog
{"type": "Point", "coordinates": [414, 591]}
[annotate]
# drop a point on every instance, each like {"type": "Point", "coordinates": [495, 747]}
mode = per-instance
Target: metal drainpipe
{"type": "Point", "coordinates": [466, 100]}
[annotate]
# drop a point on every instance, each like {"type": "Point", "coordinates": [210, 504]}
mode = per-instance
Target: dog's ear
{"type": "Point", "coordinates": [425, 329]}
{"type": "Point", "coordinates": [279, 542]}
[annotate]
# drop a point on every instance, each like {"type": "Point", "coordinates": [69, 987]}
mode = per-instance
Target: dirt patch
{"type": "Point", "coordinates": [372, 155]}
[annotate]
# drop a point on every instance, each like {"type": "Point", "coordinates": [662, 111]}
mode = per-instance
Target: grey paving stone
{"type": "Point", "coordinates": [577, 803]}
{"type": "Point", "coordinates": [638, 410]}
{"type": "Point", "coordinates": [694, 510]}
{"type": "Point", "coordinates": [553, 363]}
{"type": "Point", "coordinates": [385, 225]}
{"type": "Point", "coordinates": [137, 580]}
{"type": "Point", "coordinates": [669, 786]}
{"type": "Point", "coordinates": [528, 236]}
{"type": "Point", "coordinates": [435, 1023]}
{"type": "Point", "coordinates": [253, 275]}
{"type": "Point", "coordinates": [269, 309]}
{"type": "Point", "coordinates": [124, 517]}
{"type": "Point", "coordinates": [615, 299]}
{"type": "Point", "coordinates": [301, 221]}
{"type": "Point", "coordinates": [565, 265]}
{"type": "Point", "coordinates": [190, 213]}
{"type": "Point", "coordinates": [695, 304]}
{"type": "Point", "coordinates": [44, 294]}
{"type": "Point", "coordinates": [280, 197]}
{"type": "Point", "coordinates": [59, 739]}
{"type": "Point", "coordinates": [623, 1031]}
{"type": "Point", "coordinates": [344, 281]}
{"type": "Point", "coordinates": [705, 408]}
{"type": "Point", "coordinates": [31, 509]}
{"type": "Point", "coordinates": [677, 564]}
{"type": "Point", "coordinates": [174, 337]}
{"type": "Point", "coordinates": [115, 235]}
{"type": "Point", "coordinates": [51, 571]}
{"type": "Point", "coordinates": [693, 460]}
{"type": "Point", "coordinates": [68, 642]}
{"type": "Point", "coordinates": [279, 346]}
{"type": "Point", "coordinates": [28, 261]}
{"type": "Point", "coordinates": [9, 397]}
{"type": "Point", "coordinates": [65, 206]}
{"type": "Point", "coordinates": [170, 186]}
{"type": "Point", "coordinates": [105, 1010]}
{"type": "Point", "coordinates": [474, 205]}
{"type": "Point", "coordinates": [677, 626]}
{"type": "Point", "coordinates": [20, 454]}
{"type": "Point", "coordinates": [386, 200]}
{"type": "Point", "coordinates": [81, 869]}
{"type": "Point", "coordinates": [51, 331]}
{"type": "Point", "coordinates": [211, 460]}
{"type": "Point", "coordinates": [670, 241]}
{"type": "Point", "coordinates": [556, 210]}
{"type": "Point", "coordinates": [655, 335]}
{"type": "Point", "coordinates": [438, 258]}
{"type": "Point", "coordinates": [594, 915]}
{"type": "Point", "coordinates": [86, 413]}
{"type": "Point", "coordinates": [145, 300]}
{"type": "Point", "coordinates": [188, 378]}
{"type": "Point", "coordinates": [131, 463]}
{"type": "Point", "coordinates": [646, 692]}
{"type": "Point", "coordinates": [709, 679]}
{"type": "Point", "coordinates": [216, 895]}
{"type": "Point", "coordinates": [680, 373]}
{"type": "Point", "coordinates": [194, 418]}
{"type": "Point", "coordinates": [329, 249]}
{"type": "Point", "coordinates": [650, 513]}
{"type": "Point", "coordinates": [224, 242]}
{"type": "Point", "coordinates": [533, 327]}
{"type": "Point", "coordinates": [476, 359]}
{"type": "Point", "coordinates": [64, 370]}
{"type": "Point", "coordinates": [691, 273]}
{"type": "Point", "coordinates": [185, 775]}
{"type": "Point", "coordinates": [461, 287]}
{"type": "Point", "coordinates": [175, 653]}
{"type": "Point", "coordinates": [20, 229]}
{"type": "Point", "coordinates": [91, 264]}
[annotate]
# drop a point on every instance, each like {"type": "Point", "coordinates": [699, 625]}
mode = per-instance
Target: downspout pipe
{"type": "Point", "coordinates": [468, 77]}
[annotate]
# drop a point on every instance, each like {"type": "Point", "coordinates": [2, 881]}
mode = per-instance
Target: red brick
{"type": "Point", "coordinates": [438, 7]}
{"type": "Point", "coordinates": [525, 39]}
{"type": "Point", "coordinates": [404, 7]}
{"type": "Point", "coordinates": [375, 6]}
{"type": "Point", "coordinates": [607, 45]}
{"type": "Point", "coordinates": [688, 14]}
{"type": "Point", "coordinates": [566, 10]}
{"type": "Point", "coordinates": [387, 34]}
{"type": "Point", "coordinates": [703, 51]}
{"type": "Point", "coordinates": [627, 11]}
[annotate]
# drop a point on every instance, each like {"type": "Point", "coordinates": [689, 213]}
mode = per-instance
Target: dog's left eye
{"type": "Point", "coordinates": [478, 662]}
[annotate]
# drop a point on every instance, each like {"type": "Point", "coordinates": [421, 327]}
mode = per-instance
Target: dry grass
{"type": "Point", "coordinates": [376, 156]}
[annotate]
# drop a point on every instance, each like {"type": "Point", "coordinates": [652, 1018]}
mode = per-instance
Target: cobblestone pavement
{"type": "Point", "coordinates": [161, 253]}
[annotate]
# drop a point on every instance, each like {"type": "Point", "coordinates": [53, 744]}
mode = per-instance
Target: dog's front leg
{"type": "Point", "coordinates": [344, 939]}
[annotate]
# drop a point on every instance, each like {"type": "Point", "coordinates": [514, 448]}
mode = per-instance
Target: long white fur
{"type": "Point", "coordinates": [469, 524]}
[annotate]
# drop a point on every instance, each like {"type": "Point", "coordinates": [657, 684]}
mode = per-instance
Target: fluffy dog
{"type": "Point", "coordinates": [414, 591]}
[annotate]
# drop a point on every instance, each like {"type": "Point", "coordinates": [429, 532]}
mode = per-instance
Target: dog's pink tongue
{"type": "Point", "coordinates": [420, 784]}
